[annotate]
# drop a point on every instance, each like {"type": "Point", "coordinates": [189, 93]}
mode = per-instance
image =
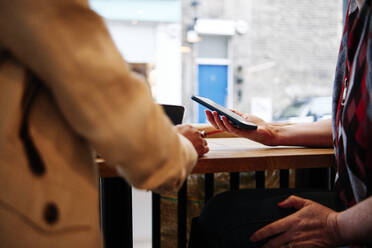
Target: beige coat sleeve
{"type": "Point", "coordinates": [68, 46]}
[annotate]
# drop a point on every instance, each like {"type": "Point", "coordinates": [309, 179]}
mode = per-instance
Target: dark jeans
{"type": "Point", "coordinates": [230, 218]}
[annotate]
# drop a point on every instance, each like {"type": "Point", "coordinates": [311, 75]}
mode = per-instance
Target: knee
{"type": "Point", "coordinates": [219, 207]}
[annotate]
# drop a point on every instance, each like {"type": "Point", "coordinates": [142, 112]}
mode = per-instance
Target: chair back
{"type": "Point", "coordinates": [174, 112]}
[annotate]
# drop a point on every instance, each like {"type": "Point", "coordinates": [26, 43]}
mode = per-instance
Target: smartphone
{"type": "Point", "coordinates": [235, 120]}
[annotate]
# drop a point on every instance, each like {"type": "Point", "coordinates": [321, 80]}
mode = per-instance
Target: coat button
{"type": "Point", "coordinates": [51, 213]}
{"type": "Point", "coordinates": [37, 169]}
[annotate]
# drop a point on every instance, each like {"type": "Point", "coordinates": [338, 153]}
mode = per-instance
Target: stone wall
{"type": "Point", "coordinates": [289, 51]}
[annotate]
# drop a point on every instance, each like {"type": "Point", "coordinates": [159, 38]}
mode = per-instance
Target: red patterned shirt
{"type": "Point", "coordinates": [352, 108]}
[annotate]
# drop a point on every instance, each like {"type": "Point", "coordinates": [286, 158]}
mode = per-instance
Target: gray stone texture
{"type": "Point", "coordinates": [298, 40]}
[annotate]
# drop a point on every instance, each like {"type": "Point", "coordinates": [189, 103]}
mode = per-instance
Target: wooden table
{"type": "Point", "coordinates": [232, 155]}
{"type": "Point", "coordinates": [239, 154]}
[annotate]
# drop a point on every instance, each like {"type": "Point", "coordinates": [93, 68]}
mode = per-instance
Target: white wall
{"type": "Point", "coordinates": [158, 44]}
{"type": "Point", "coordinates": [136, 42]}
{"type": "Point", "coordinates": [168, 64]}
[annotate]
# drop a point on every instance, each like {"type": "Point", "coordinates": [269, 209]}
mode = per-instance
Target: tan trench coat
{"type": "Point", "coordinates": [88, 100]}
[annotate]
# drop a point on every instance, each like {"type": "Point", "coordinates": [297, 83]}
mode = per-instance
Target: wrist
{"type": "Point", "coordinates": [277, 133]}
{"type": "Point", "coordinates": [334, 229]}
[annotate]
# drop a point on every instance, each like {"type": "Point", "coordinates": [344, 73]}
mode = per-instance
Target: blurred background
{"type": "Point", "coordinates": [274, 59]}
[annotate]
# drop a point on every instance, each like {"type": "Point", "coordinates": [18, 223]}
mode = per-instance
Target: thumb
{"type": "Point", "coordinates": [293, 202]}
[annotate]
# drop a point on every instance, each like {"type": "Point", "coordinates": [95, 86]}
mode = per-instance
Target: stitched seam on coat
{"type": "Point", "coordinates": [77, 228]}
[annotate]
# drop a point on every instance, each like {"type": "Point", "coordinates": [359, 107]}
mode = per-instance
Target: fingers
{"type": "Point", "coordinates": [202, 146]}
{"type": "Point", "coordinates": [293, 202]}
{"type": "Point", "coordinates": [211, 119]}
{"type": "Point", "coordinates": [230, 128]}
{"type": "Point", "coordinates": [215, 120]}
{"type": "Point", "coordinates": [205, 150]}
{"type": "Point", "coordinates": [281, 225]}
{"type": "Point", "coordinates": [218, 121]}
{"type": "Point", "coordinates": [195, 137]}
{"type": "Point", "coordinates": [304, 244]}
{"type": "Point", "coordinates": [236, 112]}
{"type": "Point", "coordinates": [205, 144]}
{"type": "Point", "coordinates": [279, 241]}
{"type": "Point", "coordinates": [223, 124]}
{"type": "Point", "coordinates": [276, 227]}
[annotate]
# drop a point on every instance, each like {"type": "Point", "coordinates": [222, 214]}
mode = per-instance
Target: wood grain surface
{"type": "Point", "coordinates": [239, 154]}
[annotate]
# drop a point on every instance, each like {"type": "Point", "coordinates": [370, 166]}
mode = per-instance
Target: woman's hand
{"type": "Point", "coordinates": [313, 226]}
{"type": "Point", "coordinates": [265, 133]}
{"type": "Point", "coordinates": [195, 137]}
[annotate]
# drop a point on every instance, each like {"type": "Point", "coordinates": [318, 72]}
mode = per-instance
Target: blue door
{"type": "Point", "coordinates": [212, 83]}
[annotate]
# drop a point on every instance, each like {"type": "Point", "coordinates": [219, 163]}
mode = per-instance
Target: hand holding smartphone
{"type": "Point", "coordinates": [235, 119]}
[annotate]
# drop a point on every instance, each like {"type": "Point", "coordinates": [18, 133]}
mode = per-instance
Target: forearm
{"type": "Point", "coordinates": [305, 134]}
{"type": "Point", "coordinates": [355, 224]}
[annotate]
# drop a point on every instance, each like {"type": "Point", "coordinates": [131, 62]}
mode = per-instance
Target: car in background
{"type": "Point", "coordinates": [306, 110]}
